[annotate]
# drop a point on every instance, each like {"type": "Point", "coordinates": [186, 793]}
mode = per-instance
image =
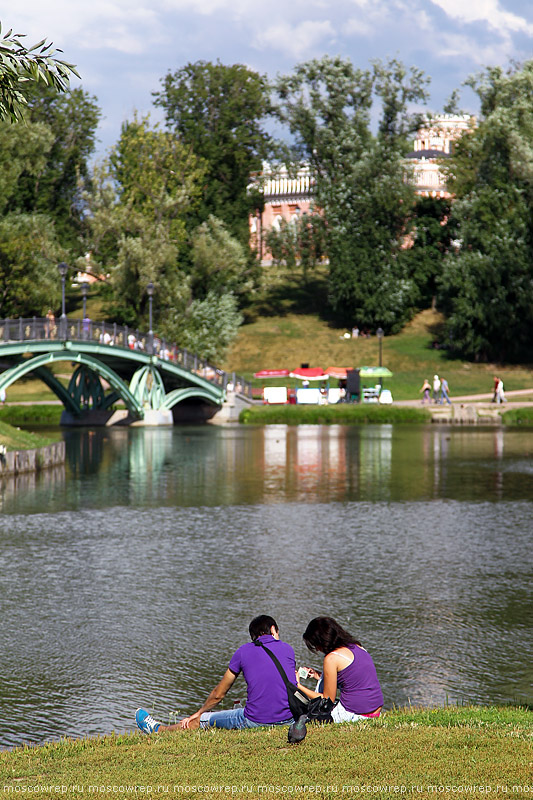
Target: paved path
{"type": "Point", "coordinates": [513, 399]}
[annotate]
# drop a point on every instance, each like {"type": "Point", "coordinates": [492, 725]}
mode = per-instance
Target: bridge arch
{"type": "Point", "coordinates": [178, 395]}
{"type": "Point", "coordinates": [36, 364]}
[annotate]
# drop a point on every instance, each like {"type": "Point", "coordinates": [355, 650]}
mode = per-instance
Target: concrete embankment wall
{"type": "Point", "coordinates": [14, 462]}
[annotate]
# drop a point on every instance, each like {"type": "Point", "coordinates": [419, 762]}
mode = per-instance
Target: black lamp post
{"type": "Point", "coordinates": [150, 291]}
{"type": "Point", "coordinates": [379, 334]}
{"type": "Point", "coordinates": [84, 289]}
{"type": "Point", "coordinates": [63, 269]}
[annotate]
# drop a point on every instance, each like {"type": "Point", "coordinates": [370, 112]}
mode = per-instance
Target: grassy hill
{"type": "Point", "coordinates": [288, 339]}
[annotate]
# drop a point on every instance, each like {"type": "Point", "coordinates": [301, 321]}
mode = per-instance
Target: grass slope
{"type": "Point", "coordinates": [411, 751]}
{"type": "Point", "coordinates": [290, 339]}
{"type": "Point", "coordinates": [15, 439]}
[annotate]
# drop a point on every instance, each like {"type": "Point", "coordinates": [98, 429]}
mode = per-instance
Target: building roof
{"type": "Point", "coordinates": [419, 154]}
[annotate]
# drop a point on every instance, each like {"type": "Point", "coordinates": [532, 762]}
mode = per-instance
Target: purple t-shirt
{"type": "Point", "coordinates": [359, 684]}
{"type": "Point", "coordinates": [267, 694]}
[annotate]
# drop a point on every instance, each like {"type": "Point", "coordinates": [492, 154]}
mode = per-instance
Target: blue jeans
{"type": "Point", "coordinates": [233, 719]}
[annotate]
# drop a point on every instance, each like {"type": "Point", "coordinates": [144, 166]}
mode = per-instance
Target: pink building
{"type": "Point", "coordinates": [434, 142]}
{"type": "Point", "coordinates": [285, 197]}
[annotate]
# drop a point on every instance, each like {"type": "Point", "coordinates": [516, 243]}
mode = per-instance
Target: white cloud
{"type": "Point", "coordinates": [295, 40]}
{"type": "Point", "coordinates": [487, 11]}
{"type": "Point", "coordinates": [457, 46]}
{"type": "Point", "coordinates": [355, 26]}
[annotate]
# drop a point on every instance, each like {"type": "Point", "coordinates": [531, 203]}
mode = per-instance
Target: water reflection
{"type": "Point", "coordinates": [130, 575]}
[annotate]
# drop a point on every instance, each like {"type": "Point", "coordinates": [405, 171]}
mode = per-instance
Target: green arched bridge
{"type": "Point", "coordinates": [152, 381]}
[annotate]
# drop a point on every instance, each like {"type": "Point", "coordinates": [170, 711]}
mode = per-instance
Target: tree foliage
{"type": "Point", "coordinates": [218, 110]}
{"type": "Point", "coordinates": [300, 243]}
{"type": "Point", "coordinates": [29, 253]}
{"type": "Point", "coordinates": [139, 204]}
{"type": "Point", "coordinates": [486, 289]}
{"type": "Point", "coordinates": [24, 150]}
{"type": "Point", "coordinates": [360, 184]}
{"type": "Point", "coordinates": [21, 67]}
{"type": "Point", "coordinates": [142, 210]}
{"type": "Point", "coordinates": [71, 119]}
{"type": "Point", "coordinates": [431, 238]}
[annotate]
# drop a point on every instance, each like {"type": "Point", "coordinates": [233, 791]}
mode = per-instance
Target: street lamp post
{"type": "Point", "coordinates": [379, 334]}
{"type": "Point", "coordinates": [63, 269]}
{"type": "Point", "coordinates": [84, 289]}
{"type": "Point", "coordinates": [150, 291]}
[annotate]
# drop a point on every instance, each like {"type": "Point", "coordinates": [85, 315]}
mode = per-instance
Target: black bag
{"type": "Point", "coordinates": [298, 702]}
{"type": "Point", "coordinates": [319, 710]}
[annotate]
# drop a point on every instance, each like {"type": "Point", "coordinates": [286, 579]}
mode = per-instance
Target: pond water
{"type": "Point", "coordinates": [129, 576]}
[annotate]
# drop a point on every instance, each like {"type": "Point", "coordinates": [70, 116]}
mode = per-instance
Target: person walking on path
{"type": "Point", "coordinates": [426, 389]}
{"type": "Point", "coordinates": [267, 701]}
{"type": "Point", "coordinates": [444, 391]}
{"type": "Point", "coordinates": [500, 395]}
{"type": "Point", "coordinates": [436, 388]}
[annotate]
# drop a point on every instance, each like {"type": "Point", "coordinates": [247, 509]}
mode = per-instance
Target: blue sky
{"type": "Point", "coordinates": [122, 48]}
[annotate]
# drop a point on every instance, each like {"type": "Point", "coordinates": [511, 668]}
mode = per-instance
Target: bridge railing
{"type": "Point", "coordinates": [113, 335]}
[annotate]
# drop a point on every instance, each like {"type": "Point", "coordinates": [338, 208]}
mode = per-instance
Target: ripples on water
{"type": "Point", "coordinates": [130, 577]}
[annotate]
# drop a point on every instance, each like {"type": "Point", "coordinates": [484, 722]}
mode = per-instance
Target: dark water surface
{"type": "Point", "coordinates": [129, 576]}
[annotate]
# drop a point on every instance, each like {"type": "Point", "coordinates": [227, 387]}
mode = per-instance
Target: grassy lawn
{"type": "Point", "coordinates": [15, 439]}
{"type": "Point", "coordinates": [288, 340]}
{"type": "Point", "coordinates": [420, 752]}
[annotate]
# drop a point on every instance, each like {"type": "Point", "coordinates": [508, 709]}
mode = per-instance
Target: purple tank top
{"type": "Point", "coordinates": [359, 685]}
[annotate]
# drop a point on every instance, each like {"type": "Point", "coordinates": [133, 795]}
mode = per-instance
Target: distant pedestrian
{"type": "Point", "coordinates": [2, 396]}
{"type": "Point", "coordinates": [500, 395]}
{"type": "Point", "coordinates": [426, 389]}
{"type": "Point", "coordinates": [436, 388]}
{"type": "Point", "coordinates": [495, 395]}
{"type": "Point", "coordinates": [50, 325]}
{"type": "Point", "coordinates": [444, 390]}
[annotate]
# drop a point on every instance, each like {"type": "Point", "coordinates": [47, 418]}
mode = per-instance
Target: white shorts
{"type": "Point", "coordinates": [340, 714]}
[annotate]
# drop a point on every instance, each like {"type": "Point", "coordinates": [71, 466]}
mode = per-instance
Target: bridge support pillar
{"type": "Point", "coordinates": [153, 417]}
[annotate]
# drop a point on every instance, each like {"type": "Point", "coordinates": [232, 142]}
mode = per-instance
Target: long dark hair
{"type": "Point", "coordinates": [324, 634]}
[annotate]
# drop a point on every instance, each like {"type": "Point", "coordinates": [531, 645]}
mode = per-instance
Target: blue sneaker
{"type": "Point", "coordinates": [145, 722]}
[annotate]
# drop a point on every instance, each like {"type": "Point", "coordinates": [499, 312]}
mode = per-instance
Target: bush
{"type": "Point", "coordinates": [343, 414]}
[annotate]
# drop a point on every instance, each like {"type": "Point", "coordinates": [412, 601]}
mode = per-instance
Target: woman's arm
{"type": "Point", "coordinates": [331, 667]}
{"type": "Point", "coordinates": [332, 664]}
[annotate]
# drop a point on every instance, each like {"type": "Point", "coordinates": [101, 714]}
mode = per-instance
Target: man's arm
{"type": "Point", "coordinates": [218, 694]}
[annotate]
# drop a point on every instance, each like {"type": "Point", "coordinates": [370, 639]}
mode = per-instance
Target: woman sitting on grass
{"type": "Point", "coordinates": [348, 666]}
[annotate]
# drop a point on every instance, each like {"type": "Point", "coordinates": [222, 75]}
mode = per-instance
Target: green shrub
{"type": "Point", "coordinates": [31, 415]}
{"type": "Point", "coordinates": [343, 414]}
{"type": "Point", "coordinates": [518, 416]}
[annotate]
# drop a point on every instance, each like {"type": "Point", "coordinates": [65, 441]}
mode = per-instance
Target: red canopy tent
{"type": "Point", "coordinates": [309, 374]}
{"type": "Point", "coordinates": [337, 372]}
{"type": "Point", "coordinates": [272, 373]}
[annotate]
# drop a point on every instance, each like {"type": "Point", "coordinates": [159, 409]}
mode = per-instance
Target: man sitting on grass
{"type": "Point", "coordinates": [267, 702]}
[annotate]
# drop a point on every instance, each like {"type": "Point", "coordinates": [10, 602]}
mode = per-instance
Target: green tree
{"type": "Point", "coordinates": [142, 208]}
{"type": "Point", "coordinates": [55, 189]}
{"type": "Point", "coordinates": [298, 243]}
{"type": "Point", "coordinates": [139, 204]}
{"type": "Point", "coordinates": [218, 110]}
{"type": "Point", "coordinates": [24, 150]}
{"type": "Point", "coordinates": [219, 261]}
{"type": "Point", "coordinates": [205, 326]}
{"type": "Point", "coordinates": [486, 289]}
{"type": "Point", "coordinates": [360, 183]}
{"type": "Point", "coordinates": [21, 67]}
{"type": "Point", "coordinates": [431, 236]}
{"type": "Point", "coordinates": [29, 253]}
